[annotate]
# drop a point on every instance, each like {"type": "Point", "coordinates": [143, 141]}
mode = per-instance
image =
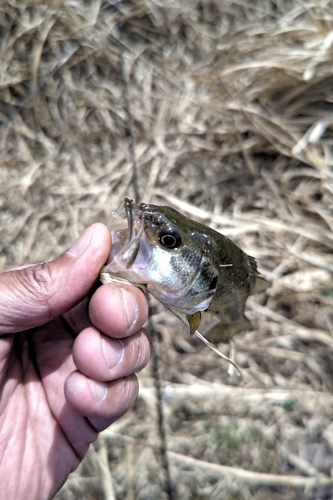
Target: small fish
{"type": "Point", "coordinates": [185, 265]}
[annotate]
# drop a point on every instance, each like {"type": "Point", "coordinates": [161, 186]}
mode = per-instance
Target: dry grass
{"type": "Point", "coordinates": [232, 110]}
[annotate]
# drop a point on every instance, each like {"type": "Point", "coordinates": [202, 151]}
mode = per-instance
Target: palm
{"type": "Point", "coordinates": [43, 441]}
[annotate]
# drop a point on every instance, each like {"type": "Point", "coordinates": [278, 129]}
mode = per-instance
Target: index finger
{"type": "Point", "coordinates": [118, 310]}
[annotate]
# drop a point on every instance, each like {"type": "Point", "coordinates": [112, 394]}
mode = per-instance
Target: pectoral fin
{"type": "Point", "coordinates": [223, 333]}
{"type": "Point", "coordinates": [194, 321]}
{"type": "Point", "coordinates": [260, 285]}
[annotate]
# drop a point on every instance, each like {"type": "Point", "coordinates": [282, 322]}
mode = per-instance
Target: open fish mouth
{"type": "Point", "coordinates": [126, 228]}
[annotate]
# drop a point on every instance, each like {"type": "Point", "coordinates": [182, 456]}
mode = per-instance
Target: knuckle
{"type": "Point", "coordinates": [39, 282]}
{"type": "Point", "coordinates": [130, 391]}
{"type": "Point", "coordinates": [42, 277]}
{"type": "Point", "coordinates": [141, 350]}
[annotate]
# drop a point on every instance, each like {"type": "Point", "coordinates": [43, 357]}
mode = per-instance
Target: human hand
{"type": "Point", "coordinates": [66, 364]}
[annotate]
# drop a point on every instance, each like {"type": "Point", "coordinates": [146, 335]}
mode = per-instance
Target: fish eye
{"type": "Point", "coordinates": [170, 239]}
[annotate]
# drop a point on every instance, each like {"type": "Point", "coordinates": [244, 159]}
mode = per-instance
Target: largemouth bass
{"type": "Point", "coordinates": [185, 265]}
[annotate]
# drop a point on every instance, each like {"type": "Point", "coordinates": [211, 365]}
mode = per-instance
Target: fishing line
{"type": "Point", "coordinates": [130, 134]}
{"type": "Point", "coordinates": [155, 358]}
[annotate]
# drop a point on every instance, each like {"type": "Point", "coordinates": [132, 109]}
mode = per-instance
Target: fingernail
{"type": "Point", "coordinates": [113, 350]}
{"type": "Point", "coordinates": [130, 308]}
{"type": "Point", "coordinates": [98, 389]}
{"type": "Point", "coordinates": [81, 243]}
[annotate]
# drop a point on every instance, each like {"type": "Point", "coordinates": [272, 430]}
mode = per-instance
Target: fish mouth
{"type": "Point", "coordinates": [126, 228]}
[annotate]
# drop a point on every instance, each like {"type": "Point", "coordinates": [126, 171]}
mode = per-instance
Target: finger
{"type": "Point", "coordinates": [103, 358]}
{"type": "Point", "coordinates": [6, 344]}
{"type": "Point", "coordinates": [118, 310]}
{"type": "Point", "coordinates": [34, 295]}
{"type": "Point", "coordinates": [101, 402]}
{"type": "Point", "coordinates": [53, 347]}
{"type": "Point", "coordinates": [77, 318]}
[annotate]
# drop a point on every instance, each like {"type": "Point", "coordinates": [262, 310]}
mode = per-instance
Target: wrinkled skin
{"type": "Point", "coordinates": [66, 370]}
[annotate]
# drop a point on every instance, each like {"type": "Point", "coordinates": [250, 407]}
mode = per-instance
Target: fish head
{"type": "Point", "coordinates": [164, 252]}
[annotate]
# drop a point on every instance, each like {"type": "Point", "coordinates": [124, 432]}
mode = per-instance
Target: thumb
{"type": "Point", "coordinates": [34, 295]}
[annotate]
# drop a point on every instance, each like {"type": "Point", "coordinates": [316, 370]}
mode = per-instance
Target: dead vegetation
{"type": "Point", "coordinates": [232, 111]}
